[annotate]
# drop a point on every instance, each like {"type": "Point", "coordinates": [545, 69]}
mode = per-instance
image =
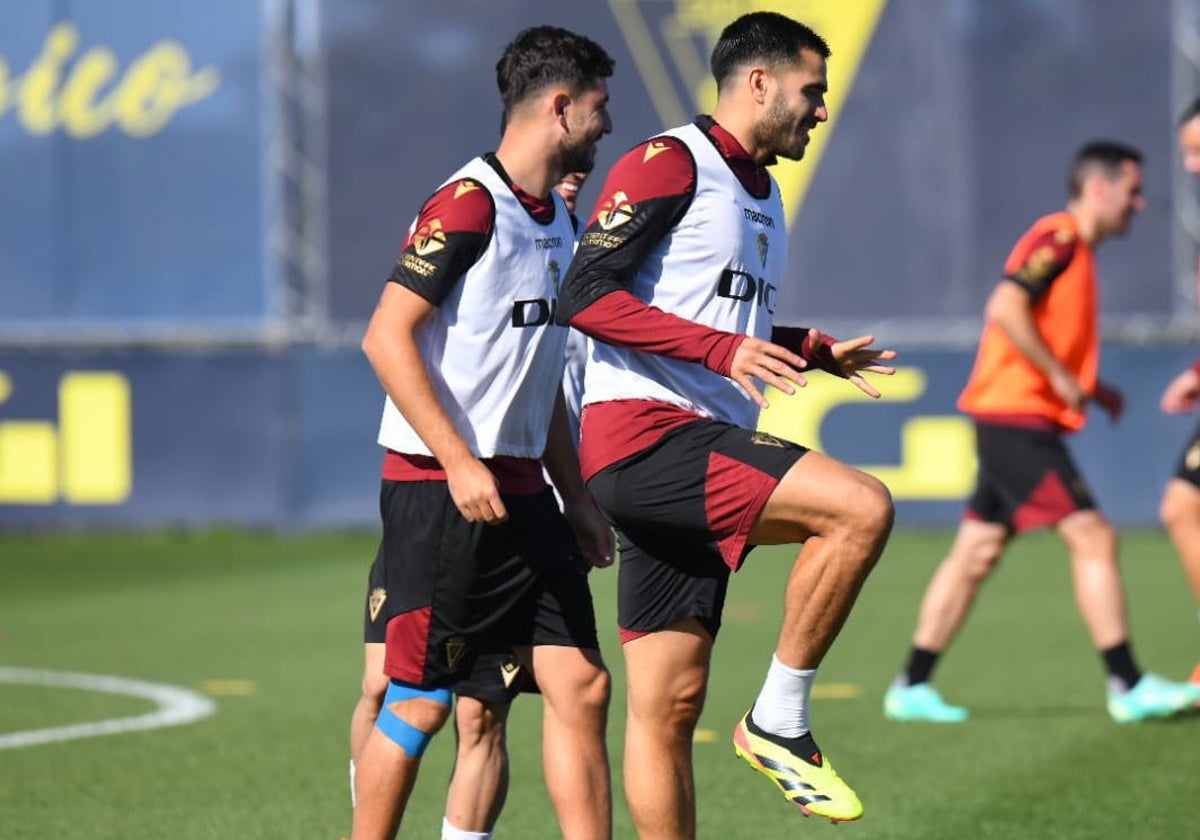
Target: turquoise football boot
{"type": "Point", "coordinates": [1152, 697]}
{"type": "Point", "coordinates": [920, 702]}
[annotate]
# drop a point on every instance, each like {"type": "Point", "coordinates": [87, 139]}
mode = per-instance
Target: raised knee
{"type": "Point", "coordinates": [870, 511]}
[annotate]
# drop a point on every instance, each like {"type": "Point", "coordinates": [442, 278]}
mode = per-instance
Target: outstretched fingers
{"type": "Point", "coordinates": [864, 386]}
{"type": "Point", "coordinates": [857, 354]}
{"type": "Point", "coordinates": [770, 364]}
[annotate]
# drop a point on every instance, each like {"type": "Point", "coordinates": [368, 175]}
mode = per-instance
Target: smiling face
{"type": "Point", "coordinates": [569, 188]}
{"type": "Point", "coordinates": [795, 107]}
{"type": "Point", "coordinates": [586, 120]}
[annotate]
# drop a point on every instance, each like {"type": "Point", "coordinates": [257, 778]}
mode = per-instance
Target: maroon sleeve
{"type": "Point", "coordinates": [620, 318]}
{"type": "Point", "coordinates": [1043, 259]}
{"type": "Point", "coordinates": [449, 236]}
{"type": "Point", "coordinates": [647, 192]}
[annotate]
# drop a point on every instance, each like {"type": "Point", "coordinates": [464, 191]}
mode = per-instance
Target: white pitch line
{"type": "Point", "coordinates": [176, 706]}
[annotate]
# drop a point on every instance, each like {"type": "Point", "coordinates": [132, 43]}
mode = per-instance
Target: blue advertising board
{"type": "Point", "coordinates": [952, 125]}
{"type": "Point", "coordinates": [287, 439]}
{"type": "Point", "coordinates": [132, 164]}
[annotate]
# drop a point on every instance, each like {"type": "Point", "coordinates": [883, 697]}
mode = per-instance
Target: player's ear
{"type": "Point", "coordinates": [759, 81]}
{"type": "Point", "coordinates": [561, 101]}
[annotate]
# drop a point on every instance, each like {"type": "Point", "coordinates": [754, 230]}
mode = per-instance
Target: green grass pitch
{"type": "Point", "coordinates": [276, 623]}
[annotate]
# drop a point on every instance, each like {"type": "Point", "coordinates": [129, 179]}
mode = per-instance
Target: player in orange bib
{"type": "Point", "coordinates": [1035, 373]}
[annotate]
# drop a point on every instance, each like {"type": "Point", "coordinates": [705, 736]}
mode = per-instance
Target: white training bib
{"type": "Point", "coordinates": [492, 349]}
{"type": "Point", "coordinates": [721, 265]}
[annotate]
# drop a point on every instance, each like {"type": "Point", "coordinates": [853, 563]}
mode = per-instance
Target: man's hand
{"type": "Point", "coordinates": [1068, 389]}
{"type": "Point", "coordinates": [769, 363]}
{"type": "Point", "coordinates": [475, 491]}
{"type": "Point", "coordinates": [1110, 399]}
{"type": "Point", "coordinates": [854, 356]}
{"type": "Point", "coordinates": [592, 533]}
{"type": "Point", "coordinates": [1182, 393]}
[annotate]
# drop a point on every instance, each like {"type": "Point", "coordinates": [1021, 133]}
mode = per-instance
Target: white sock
{"type": "Point", "coordinates": [353, 799]}
{"type": "Point", "coordinates": [449, 832]}
{"type": "Point", "coordinates": [782, 705]}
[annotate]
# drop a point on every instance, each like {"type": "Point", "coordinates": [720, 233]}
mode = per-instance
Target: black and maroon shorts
{"type": "Point", "coordinates": [1027, 478]}
{"type": "Point", "coordinates": [449, 590]}
{"type": "Point", "coordinates": [495, 677]}
{"type": "Point", "coordinates": [683, 509]}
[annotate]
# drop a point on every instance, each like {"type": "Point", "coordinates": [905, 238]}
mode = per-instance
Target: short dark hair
{"type": "Point", "coordinates": [768, 37]}
{"type": "Point", "coordinates": [547, 55]}
{"type": "Point", "coordinates": [1103, 155]}
{"type": "Point", "coordinates": [1189, 113]}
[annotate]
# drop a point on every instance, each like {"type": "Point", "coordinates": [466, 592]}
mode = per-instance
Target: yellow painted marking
{"type": "Point", "coordinates": [836, 691]}
{"type": "Point", "coordinates": [229, 688]}
{"type": "Point", "coordinates": [705, 736]}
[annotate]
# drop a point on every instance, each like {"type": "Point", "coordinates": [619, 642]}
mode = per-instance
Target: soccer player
{"type": "Point", "coordinates": [1180, 508]}
{"type": "Point", "coordinates": [676, 279]}
{"type": "Point", "coordinates": [477, 557]}
{"type": "Point", "coordinates": [1035, 373]}
{"type": "Point", "coordinates": [479, 784]}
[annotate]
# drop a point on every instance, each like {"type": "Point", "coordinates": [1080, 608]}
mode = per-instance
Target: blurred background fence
{"type": "Point", "coordinates": [199, 203]}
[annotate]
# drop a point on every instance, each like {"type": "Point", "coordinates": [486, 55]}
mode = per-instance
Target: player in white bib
{"type": "Point", "coordinates": [475, 556]}
{"type": "Point", "coordinates": [676, 280]}
{"type": "Point", "coordinates": [479, 783]}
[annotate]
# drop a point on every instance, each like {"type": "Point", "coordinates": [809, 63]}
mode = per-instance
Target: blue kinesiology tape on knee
{"type": "Point", "coordinates": [403, 734]}
{"type": "Point", "coordinates": [403, 691]}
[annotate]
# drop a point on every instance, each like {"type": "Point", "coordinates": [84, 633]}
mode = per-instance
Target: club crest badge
{"type": "Point", "coordinates": [616, 211]}
{"type": "Point", "coordinates": [375, 601]}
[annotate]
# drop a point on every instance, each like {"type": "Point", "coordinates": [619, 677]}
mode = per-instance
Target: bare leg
{"type": "Point", "coordinates": [1180, 514]}
{"type": "Point", "coordinates": [667, 676]}
{"type": "Point", "coordinates": [951, 592]}
{"type": "Point", "coordinates": [576, 687]}
{"type": "Point", "coordinates": [844, 517]}
{"type": "Point", "coordinates": [479, 785]}
{"type": "Point", "coordinates": [374, 685]}
{"type": "Point", "coordinates": [1098, 589]}
{"type": "Point", "coordinates": [386, 774]}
